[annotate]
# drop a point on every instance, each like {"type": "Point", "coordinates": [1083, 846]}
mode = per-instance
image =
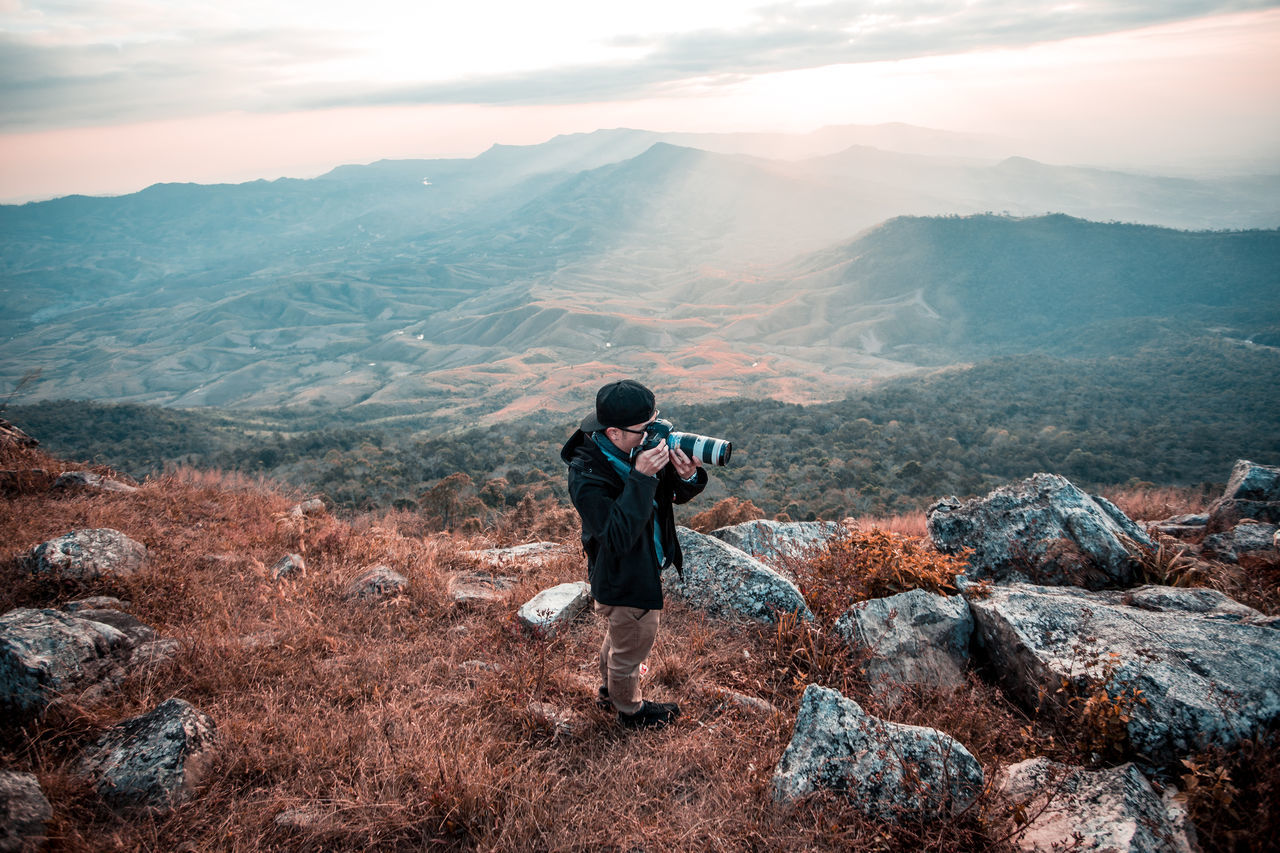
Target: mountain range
{"type": "Point", "coordinates": [794, 268]}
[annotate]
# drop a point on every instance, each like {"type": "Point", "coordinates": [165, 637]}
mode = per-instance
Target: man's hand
{"type": "Point", "coordinates": [685, 466]}
{"type": "Point", "coordinates": [653, 460]}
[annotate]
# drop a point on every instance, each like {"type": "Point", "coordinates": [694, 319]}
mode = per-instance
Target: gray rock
{"type": "Point", "coordinates": [89, 481]}
{"type": "Point", "coordinates": [1252, 482]}
{"type": "Point", "coordinates": [1112, 810]}
{"type": "Point", "coordinates": [288, 566]}
{"type": "Point", "coordinates": [914, 637]}
{"type": "Point", "coordinates": [24, 811]}
{"type": "Point", "coordinates": [377, 582]}
{"type": "Point", "coordinates": [122, 622]}
{"type": "Point", "coordinates": [751, 704]}
{"type": "Point", "coordinates": [88, 554]}
{"type": "Point", "coordinates": [560, 722]}
{"type": "Point", "coordinates": [47, 652]}
{"type": "Point", "coordinates": [308, 508]}
{"type": "Point", "coordinates": [94, 602]}
{"type": "Point", "coordinates": [1208, 667]}
{"type": "Point", "coordinates": [550, 610]}
{"type": "Point", "coordinates": [1252, 492]}
{"type": "Point", "coordinates": [723, 581]}
{"type": "Point", "coordinates": [1181, 526]}
{"type": "Point", "coordinates": [770, 541]}
{"type": "Point", "coordinates": [153, 761]}
{"type": "Point", "coordinates": [528, 554]}
{"type": "Point", "coordinates": [306, 819]}
{"type": "Point", "coordinates": [1043, 528]}
{"type": "Point", "coordinates": [1255, 539]}
{"type": "Point", "coordinates": [468, 588]}
{"type": "Point", "coordinates": [889, 771]}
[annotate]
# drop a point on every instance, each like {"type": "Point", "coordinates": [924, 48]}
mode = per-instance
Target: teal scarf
{"type": "Point", "coordinates": [623, 466]}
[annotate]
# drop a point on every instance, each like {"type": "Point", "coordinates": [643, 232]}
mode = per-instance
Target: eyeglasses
{"type": "Point", "coordinates": [656, 412]}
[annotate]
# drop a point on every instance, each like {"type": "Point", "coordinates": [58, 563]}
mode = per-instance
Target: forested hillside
{"type": "Point", "coordinates": [1177, 414]}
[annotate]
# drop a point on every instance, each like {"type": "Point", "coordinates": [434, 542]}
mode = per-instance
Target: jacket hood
{"type": "Point", "coordinates": [577, 440]}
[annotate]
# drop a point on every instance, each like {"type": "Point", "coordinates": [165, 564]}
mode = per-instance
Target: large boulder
{"type": "Point", "coordinates": [771, 541]}
{"type": "Point", "coordinates": [47, 652]}
{"type": "Point", "coordinates": [551, 609]}
{"type": "Point", "coordinates": [24, 811]}
{"type": "Point", "coordinates": [724, 581]}
{"type": "Point", "coordinates": [914, 637]}
{"type": "Point", "coordinates": [1042, 529]}
{"type": "Point", "coordinates": [153, 761]}
{"type": "Point", "coordinates": [1208, 668]}
{"type": "Point", "coordinates": [88, 554]}
{"type": "Point", "coordinates": [1113, 810]}
{"type": "Point", "coordinates": [1252, 492]}
{"type": "Point", "coordinates": [889, 771]}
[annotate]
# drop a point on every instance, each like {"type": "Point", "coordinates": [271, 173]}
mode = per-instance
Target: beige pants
{"type": "Point", "coordinates": [627, 640]}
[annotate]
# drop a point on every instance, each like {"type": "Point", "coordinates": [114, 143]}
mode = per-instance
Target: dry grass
{"type": "Point", "coordinates": [913, 524]}
{"type": "Point", "coordinates": [405, 724]}
{"type": "Point", "coordinates": [1155, 503]}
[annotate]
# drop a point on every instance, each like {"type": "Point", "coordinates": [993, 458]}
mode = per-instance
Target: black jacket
{"type": "Point", "coordinates": [617, 523]}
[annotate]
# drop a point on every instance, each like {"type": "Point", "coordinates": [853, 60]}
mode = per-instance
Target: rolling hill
{"type": "Point", "coordinates": [482, 289]}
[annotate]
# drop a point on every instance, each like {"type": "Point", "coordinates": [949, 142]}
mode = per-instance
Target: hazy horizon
{"type": "Point", "coordinates": [108, 97]}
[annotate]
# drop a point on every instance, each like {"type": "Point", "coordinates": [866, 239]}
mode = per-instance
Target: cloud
{"type": "Point", "coordinates": [132, 74]}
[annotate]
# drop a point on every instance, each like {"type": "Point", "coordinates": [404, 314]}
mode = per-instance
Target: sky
{"type": "Point", "coordinates": [109, 96]}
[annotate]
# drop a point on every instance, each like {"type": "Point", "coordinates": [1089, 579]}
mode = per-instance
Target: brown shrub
{"type": "Point", "coordinates": [856, 565]}
{"type": "Point", "coordinates": [1232, 796]}
{"type": "Point", "coordinates": [726, 512]}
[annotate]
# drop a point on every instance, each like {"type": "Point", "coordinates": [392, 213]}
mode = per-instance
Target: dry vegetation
{"type": "Point", "coordinates": [406, 724]}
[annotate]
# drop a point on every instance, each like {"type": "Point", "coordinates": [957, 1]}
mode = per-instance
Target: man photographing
{"type": "Point", "coordinates": [624, 494]}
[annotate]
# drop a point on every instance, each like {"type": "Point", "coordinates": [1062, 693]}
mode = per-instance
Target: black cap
{"type": "Point", "coordinates": [620, 404]}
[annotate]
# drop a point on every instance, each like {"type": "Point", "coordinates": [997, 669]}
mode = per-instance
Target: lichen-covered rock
{"type": "Point", "coordinates": [1043, 529]}
{"type": "Point", "coordinates": [47, 652]}
{"type": "Point", "coordinates": [528, 554]}
{"type": "Point", "coordinates": [914, 637]}
{"type": "Point", "coordinates": [723, 581]}
{"type": "Point", "coordinates": [288, 566]}
{"type": "Point", "coordinates": [470, 588]}
{"type": "Point", "coordinates": [553, 608]}
{"type": "Point", "coordinates": [308, 508]}
{"type": "Point", "coordinates": [770, 541]}
{"type": "Point", "coordinates": [1108, 811]}
{"type": "Point", "coordinates": [1249, 542]}
{"type": "Point", "coordinates": [24, 812]}
{"type": "Point", "coordinates": [889, 771]}
{"type": "Point", "coordinates": [74, 481]}
{"type": "Point", "coordinates": [377, 582]}
{"type": "Point", "coordinates": [1252, 492]}
{"type": "Point", "coordinates": [94, 602]}
{"type": "Point", "coordinates": [750, 704]}
{"type": "Point", "coordinates": [558, 721]}
{"type": "Point", "coordinates": [1208, 667]}
{"type": "Point", "coordinates": [155, 760]}
{"type": "Point", "coordinates": [88, 554]}
{"type": "Point", "coordinates": [1183, 526]}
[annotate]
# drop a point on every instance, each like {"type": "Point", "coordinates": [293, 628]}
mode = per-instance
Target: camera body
{"type": "Point", "coordinates": [712, 451]}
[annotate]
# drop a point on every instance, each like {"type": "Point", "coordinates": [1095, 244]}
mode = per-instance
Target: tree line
{"type": "Point", "coordinates": [1167, 414]}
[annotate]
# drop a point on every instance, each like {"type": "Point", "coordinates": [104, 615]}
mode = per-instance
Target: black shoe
{"type": "Point", "coordinates": [602, 698]}
{"type": "Point", "coordinates": [652, 715]}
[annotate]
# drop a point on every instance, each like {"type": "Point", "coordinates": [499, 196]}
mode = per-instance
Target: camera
{"type": "Point", "coordinates": [713, 451]}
